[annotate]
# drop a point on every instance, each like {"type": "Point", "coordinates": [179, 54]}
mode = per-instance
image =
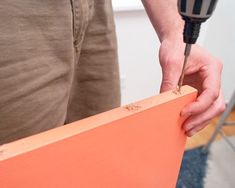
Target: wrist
{"type": "Point", "coordinates": [175, 31]}
{"type": "Point", "coordinates": [177, 36]}
{"type": "Point", "coordinates": [171, 30]}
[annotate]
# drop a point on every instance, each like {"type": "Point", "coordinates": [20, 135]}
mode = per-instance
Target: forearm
{"type": "Point", "coordinates": [164, 17]}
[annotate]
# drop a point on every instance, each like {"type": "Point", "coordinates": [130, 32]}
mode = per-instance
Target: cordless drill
{"type": "Point", "coordinates": [193, 12]}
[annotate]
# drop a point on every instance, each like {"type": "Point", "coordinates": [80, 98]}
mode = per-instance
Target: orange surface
{"type": "Point", "coordinates": [135, 146]}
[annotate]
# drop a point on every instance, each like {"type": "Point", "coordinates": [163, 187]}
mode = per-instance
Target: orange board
{"type": "Point", "coordinates": [135, 146]}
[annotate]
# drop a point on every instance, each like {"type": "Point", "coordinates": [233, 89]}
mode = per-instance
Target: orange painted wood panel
{"type": "Point", "coordinates": [135, 146]}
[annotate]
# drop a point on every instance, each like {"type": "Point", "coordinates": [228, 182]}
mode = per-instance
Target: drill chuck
{"type": "Point", "coordinates": [191, 32]}
{"type": "Point", "coordinates": [194, 12]}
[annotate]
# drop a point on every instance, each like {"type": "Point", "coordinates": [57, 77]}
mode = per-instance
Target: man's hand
{"type": "Point", "coordinates": [202, 72]}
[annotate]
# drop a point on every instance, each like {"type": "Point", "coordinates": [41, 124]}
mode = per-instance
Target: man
{"type": "Point", "coordinates": [58, 64]}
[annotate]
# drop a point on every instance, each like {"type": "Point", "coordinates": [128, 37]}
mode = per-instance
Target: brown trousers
{"type": "Point", "coordinates": [58, 64]}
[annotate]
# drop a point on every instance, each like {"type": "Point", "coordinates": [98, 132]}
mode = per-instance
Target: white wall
{"type": "Point", "coordinates": [220, 41]}
{"type": "Point", "coordinates": [138, 45]}
{"type": "Point", "coordinates": [138, 48]}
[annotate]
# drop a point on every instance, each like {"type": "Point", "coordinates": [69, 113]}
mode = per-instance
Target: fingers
{"type": "Point", "coordinates": [170, 76]}
{"type": "Point", "coordinates": [167, 85]}
{"type": "Point", "coordinates": [197, 122]}
{"type": "Point", "coordinates": [203, 72]}
{"type": "Point", "coordinates": [197, 129]}
{"type": "Point", "coordinates": [210, 93]}
{"type": "Point", "coordinates": [203, 102]}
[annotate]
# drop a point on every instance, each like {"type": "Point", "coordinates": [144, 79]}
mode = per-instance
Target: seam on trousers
{"type": "Point", "coordinates": [75, 17]}
{"type": "Point", "coordinates": [80, 10]}
{"type": "Point", "coordinates": [72, 8]}
{"type": "Point", "coordinates": [80, 21]}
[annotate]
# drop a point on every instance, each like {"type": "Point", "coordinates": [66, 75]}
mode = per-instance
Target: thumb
{"type": "Point", "coordinates": [169, 80]}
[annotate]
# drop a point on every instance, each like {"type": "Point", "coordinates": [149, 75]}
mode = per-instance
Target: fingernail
{"type": "Point", "coordinates": [191, 133]}
{"type": "Point", "coordinates": [185, 113]}
{"type": "Point", "coordinates": [188, 127]}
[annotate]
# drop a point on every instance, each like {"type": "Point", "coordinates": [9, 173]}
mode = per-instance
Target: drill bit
{"type": "Point", "coordinates": [186, 54]}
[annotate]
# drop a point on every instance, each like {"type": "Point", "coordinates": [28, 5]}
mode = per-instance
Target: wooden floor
{"type": "Point", "coordinates": [203, 136]}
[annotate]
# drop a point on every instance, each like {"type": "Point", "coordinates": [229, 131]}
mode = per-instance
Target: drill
{"type": "Point", "coordinates": [193, 12]}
